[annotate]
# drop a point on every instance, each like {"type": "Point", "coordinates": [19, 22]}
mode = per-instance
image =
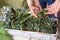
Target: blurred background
{"type": "Point", "coordinates": [13, 3]}
{"type": "Point", "coordinates": [16, 4]}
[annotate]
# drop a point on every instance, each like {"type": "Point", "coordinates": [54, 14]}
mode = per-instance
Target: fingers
{"type": "Point", "coordinates": [52, 10]}
{"type": "Point", "coordinates": [34, 10]}
{"type": "Point", "coordinates": [40, 8]}
{"type": "Point", "coordinates": [49, 10]}
{"type": "Point", "coordinates": [55, 14]}
{"type": "Point", "coordinates": [34, 13]}
{"type": "Point", "coordinates": [34, 6]}
{"type": "Point", "coordinates": [37, 4]}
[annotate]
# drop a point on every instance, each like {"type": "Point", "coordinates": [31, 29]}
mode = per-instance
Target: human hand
{"type": "Point", "coordinates": [53, 9]}
{"type": "Point", "coordinates": [34, 7]}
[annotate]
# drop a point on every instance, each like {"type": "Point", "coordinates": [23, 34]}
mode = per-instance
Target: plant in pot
{"type": "Point", "coordinates": [22, 20]}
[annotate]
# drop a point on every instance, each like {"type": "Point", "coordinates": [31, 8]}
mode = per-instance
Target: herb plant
{"type": "Point", "coordinates": [22, 20]}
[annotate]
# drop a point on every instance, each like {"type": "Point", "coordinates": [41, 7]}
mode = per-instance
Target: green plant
{"type": "Point", "coordinates": [41, 24]}
{"type": "Point", "coordinates": [22, 20]}
{"type": "Point", "coordinates": [17, 18]}
{"type": "Point", "coordinates": [3, 33]}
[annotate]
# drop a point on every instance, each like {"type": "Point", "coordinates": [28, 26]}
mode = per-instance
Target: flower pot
{"type": "Point", "coordinates": [29, 35]}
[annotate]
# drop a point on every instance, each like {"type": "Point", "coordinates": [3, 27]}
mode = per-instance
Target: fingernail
{"type": "Point", "coordinates": [55, 15]}
{"type": "Point", "coordinates": [36, 16]}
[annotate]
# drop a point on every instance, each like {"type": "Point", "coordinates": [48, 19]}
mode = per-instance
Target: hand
{"type": "Point", "coordinates": [34, 7]}
{"type": "Point", "coordinates": [53, 9]}
{"type": "Point", "coordinates": [37, 4]}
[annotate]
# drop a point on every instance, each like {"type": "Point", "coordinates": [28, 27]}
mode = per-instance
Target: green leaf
{"type": "Point", "coordinates": [4, 35]}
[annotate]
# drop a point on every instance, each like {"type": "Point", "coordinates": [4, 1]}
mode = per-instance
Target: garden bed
{"type": "Point", "coordinates": [20, 19]}
{"type": "Point", "coordinates": [29, 35]}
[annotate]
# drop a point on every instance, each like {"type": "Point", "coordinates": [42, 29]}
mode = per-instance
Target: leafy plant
{"type": "Point", "coordinates": [3, 33]}
{"type": "Point", "coordinates": [41, 24]}
{"type": "Point", "coordinates": [22, 20]}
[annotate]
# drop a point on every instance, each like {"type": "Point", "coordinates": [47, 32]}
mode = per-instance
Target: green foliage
{"type": "Point", "coordinates": [4, 35]}
{"type": "Point", "coordinates": [1, 23]}
{"type": "Point", "coordinates": [41, 24]}
{"type": "Point", "coordinates": [22, 20]}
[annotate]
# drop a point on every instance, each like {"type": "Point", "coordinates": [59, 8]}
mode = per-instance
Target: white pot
{"type": "Point", "coordinates": [28, 35]}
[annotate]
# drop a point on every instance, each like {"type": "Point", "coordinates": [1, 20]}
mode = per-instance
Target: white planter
{"type": "Point", "coordinates": [28, 35]}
